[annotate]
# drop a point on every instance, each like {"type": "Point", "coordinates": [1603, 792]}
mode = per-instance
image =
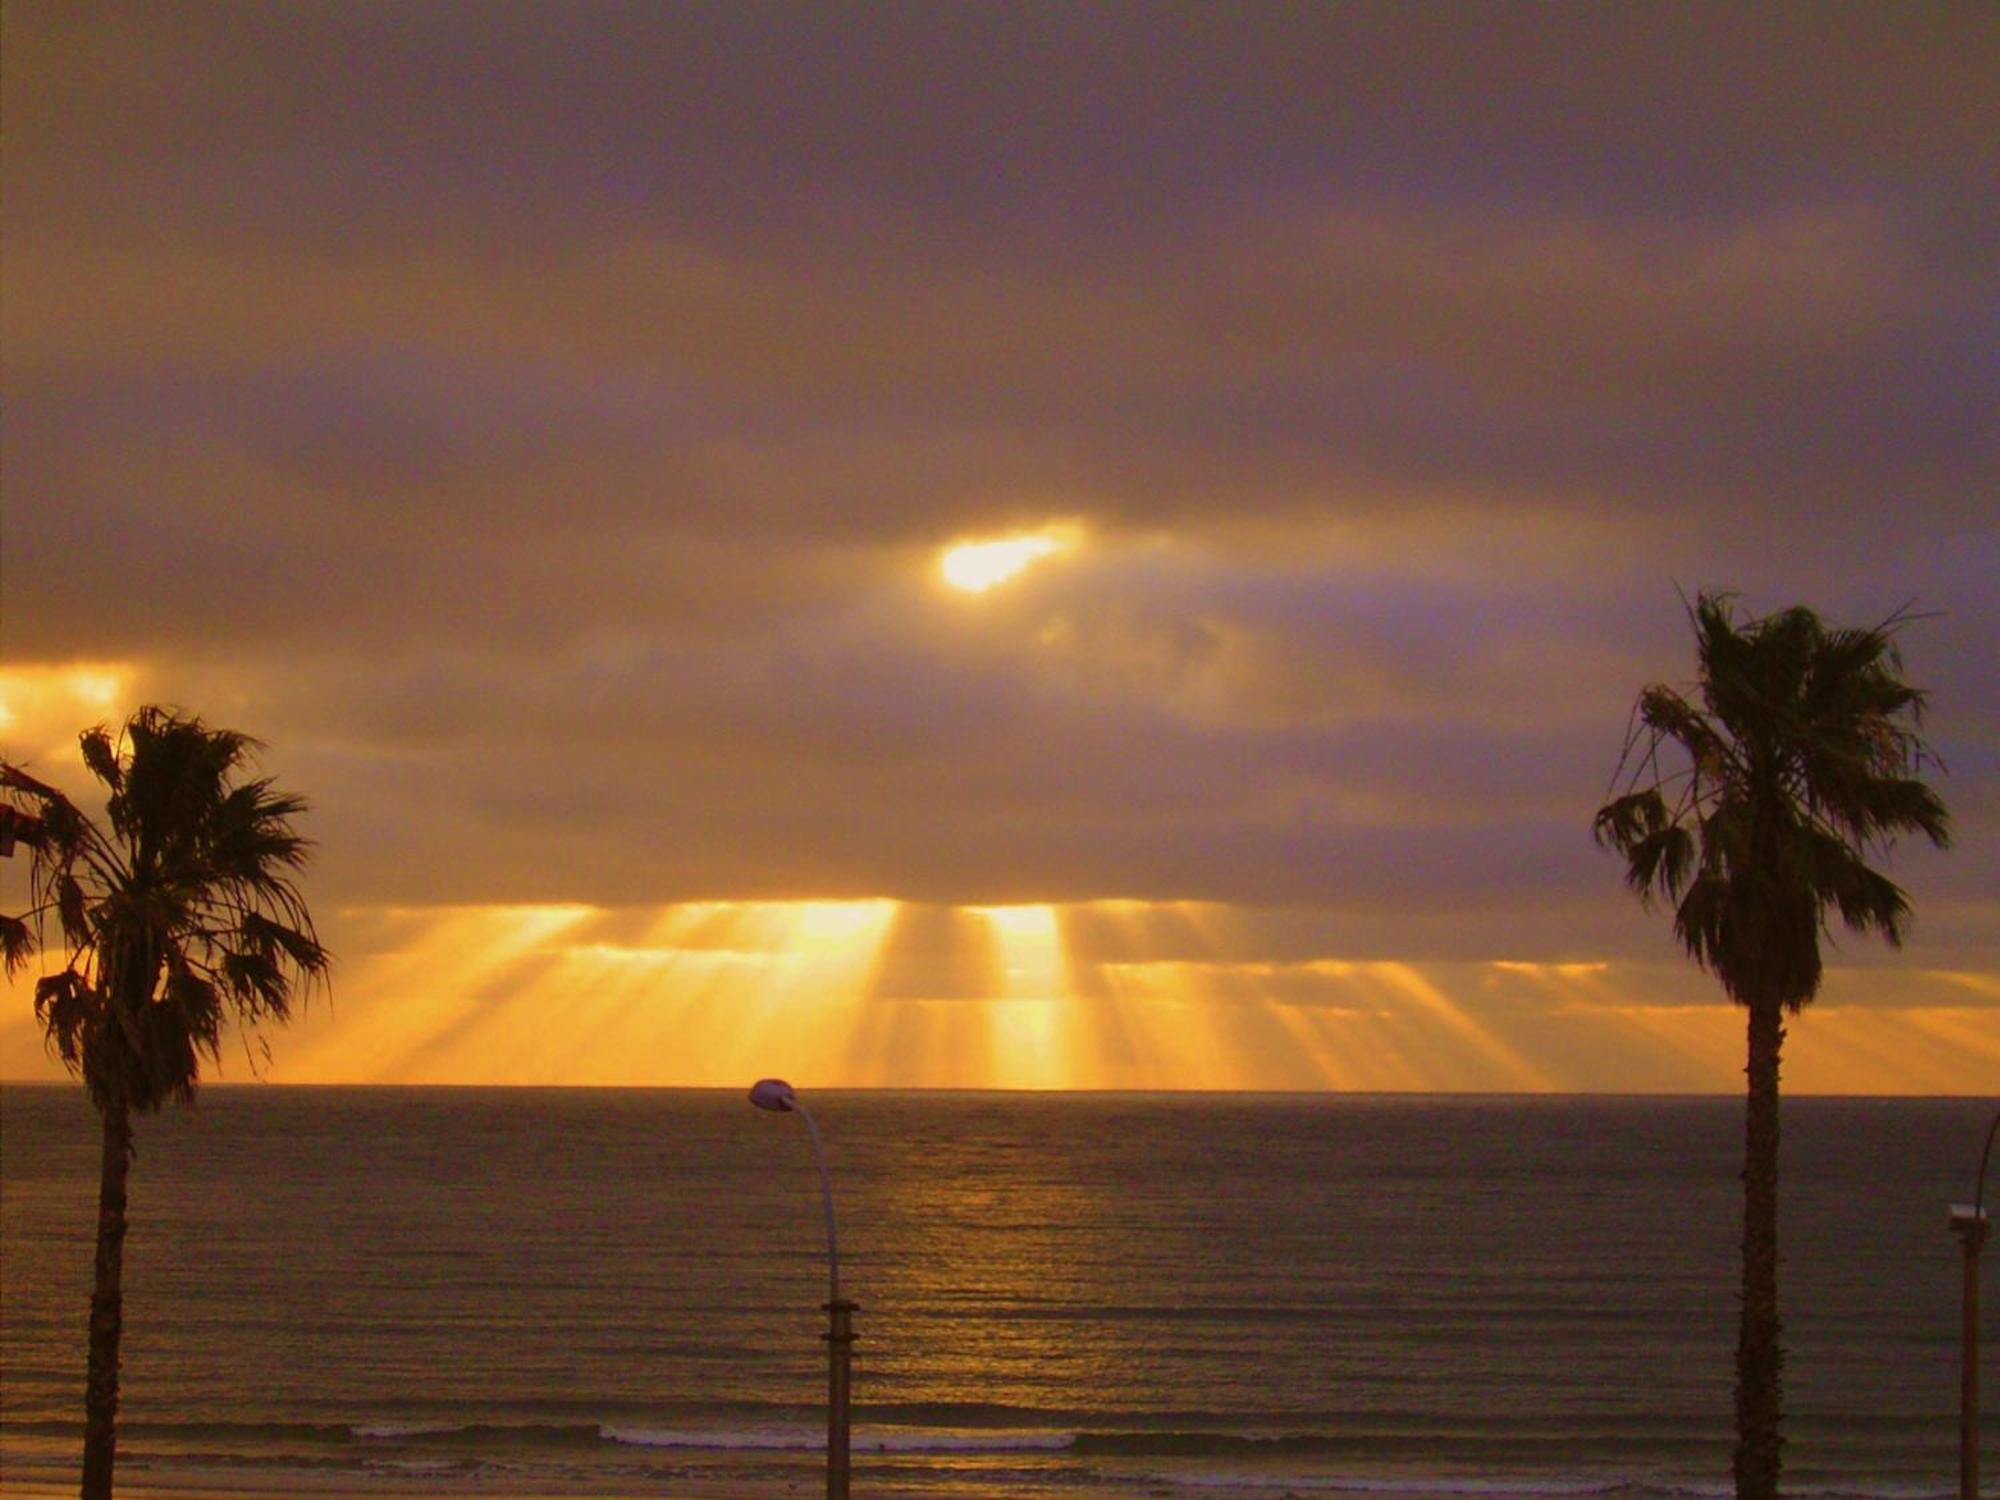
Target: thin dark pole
{"type": "Point", "coordinates": [839, 1393]}
{"type": "Point", "coordinates": [1972, 1234]}
{"type": "Point", "coordinates": [839, 1335]}
{"type": "Point", "coordinates": [826, 1201]}
{"type": "Point", "coordinates": [776, 1095]}
{"type": "Point", "coordinates": [1972, 1229]}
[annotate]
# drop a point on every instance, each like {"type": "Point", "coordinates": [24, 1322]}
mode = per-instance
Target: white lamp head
{"type": "Point", "coordinates": [773, 1094]}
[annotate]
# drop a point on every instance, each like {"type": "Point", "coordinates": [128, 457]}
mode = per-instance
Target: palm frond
{"type": "Point", "coordinates": [197, 1006]}
{"type": "Point", "coordinates": [1801, 759]}
{"type": "Point", "coordinates": [14, 779]}
{"type": "Point", "coordinates": [166, 1065]}
{"type": "Point", "coordinates": [181, 919]}
{"type": "Point", "coordinates": [1625, 820]}
{"type": "Point", "coordinates": [1867, 900]}
{"type": "Point", "coordinates": [1698, 919]}
{"type": "Point", "coordinates": [1879, 810]}
{"type": "Point", "coordinates": [1661, 861]}
{"type": "Point", "coordinates": [102, 759]}
{"type": "Point", "coordinates": [256, 985]}
{"type": "Point", "coordinates": [1666, 713]}
{"type": "Point", "coordinates": [17, 943]}
{"type": "Point", "coordinates": [69, 1010]}
{"type": "Point", "coordinates": [1659, 851]}
{"type": "Point", "coordinates": [73, 908]}
{"type": "Point", "coordinates": [301, 948]}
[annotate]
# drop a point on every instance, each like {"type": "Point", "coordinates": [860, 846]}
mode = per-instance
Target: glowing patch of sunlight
{"type": "Point", "coordinates": [1131, 1034]}
{"type": "Point", "coordinates": [976, 566]}
{"type": "Point", "coordinates": [426, 979]}
{"type": "Point", "coordinates": [1595, 1032]}
{"type": "Point", "coordinates": [839, 928]}
{"type": "Point", "coordinates": [765, 988]}
{"type": "Point", "coordinates": [789, 928]}
{"type": "Point", "coordinates": [1343, 1049]}
{"type": "Point", "coordinates": [1112, 931]}
{"type": "Point", "coordinates": [1032, 1041]}
{"type": "Point", "coordinates": [1227, 1025]}
{"type": "Point", "coordinates": [1650, 1048]}
{"type": "Point", "coordinates": [1855, 1049]}
{"type": "Point", "coordinates": [44, 707]}
{"type": "Point", "coordinates": [1422, 1030]}
{"type": "Point", "coordinates": [1097, 995]}
{"type": "Point", "coordinates": [702, 995]}
{"type": "Point", "coordinates": [1333, 1023]}
{"type": "Point", "coordinates": [1031, 953]}
{"type": "Point", "coordinates": [1987, 985]}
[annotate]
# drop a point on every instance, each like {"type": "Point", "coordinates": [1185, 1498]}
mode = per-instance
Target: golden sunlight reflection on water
{"type": "Point", "coordinates": [999, 1244]}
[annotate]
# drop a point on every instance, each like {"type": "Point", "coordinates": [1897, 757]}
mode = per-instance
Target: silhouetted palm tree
{"type": "Point", "coordinates": [179, 918]}
{"type": "Point", "coordinates": [1755, 811]}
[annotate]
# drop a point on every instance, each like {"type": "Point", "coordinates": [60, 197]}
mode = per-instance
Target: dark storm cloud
{"type": "Point", "coordinates": [539, 420]}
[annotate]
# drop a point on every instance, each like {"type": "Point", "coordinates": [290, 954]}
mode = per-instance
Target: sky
{"type": "Point", "coordinates": [549, 428]}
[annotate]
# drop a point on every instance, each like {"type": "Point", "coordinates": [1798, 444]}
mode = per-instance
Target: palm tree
{"type": "Point", "coordinates": [180, 918]}
{"type": "Point", "coordinates": [1755, 811]}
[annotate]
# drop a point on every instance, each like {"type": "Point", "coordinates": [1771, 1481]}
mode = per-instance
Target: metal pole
{"type": "Point", "coordinates": [1972, 1226]}
{"type": "Point", "coordinates": [776, 1095]}
{"type": "Point", "coordinates": [839, 1335]}
{"type": "Point", "coordinates": [826, 1199]}
{"type": "Point", "coordinates": [1972, 1233]}
{"type": "Point", "coordinates": [839, 1393]}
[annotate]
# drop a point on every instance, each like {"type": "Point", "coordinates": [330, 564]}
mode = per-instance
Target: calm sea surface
{"type": "Point", "coordinates": [617, 1293]}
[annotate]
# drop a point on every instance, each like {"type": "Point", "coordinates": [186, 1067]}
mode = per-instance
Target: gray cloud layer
{"type": "Point", "coordinates": [538, 422]}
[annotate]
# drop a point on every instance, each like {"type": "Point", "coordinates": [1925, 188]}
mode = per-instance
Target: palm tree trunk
{"type": "Point", "coordinates": [107, 1308]}
{"type": "Point", "coordinates": [1760, 1355]}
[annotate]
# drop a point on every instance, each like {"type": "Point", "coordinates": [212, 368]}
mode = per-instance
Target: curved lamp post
{"type": "Point", "coordinates": [779, 1097]}
{"type": "Point", "coordinates": [1971, 1224]}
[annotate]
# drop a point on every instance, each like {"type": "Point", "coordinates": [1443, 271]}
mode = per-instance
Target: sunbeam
{"type": "Point", "coordinates": [1100, 995]}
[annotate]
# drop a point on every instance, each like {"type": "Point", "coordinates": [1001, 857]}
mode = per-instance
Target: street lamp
{"type": "Point", "coordinates": [779, 1097]}
{"type": "Point", "coordinates": [1970, 1223]}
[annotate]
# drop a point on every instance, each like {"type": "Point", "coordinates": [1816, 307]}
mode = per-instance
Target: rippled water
{"type": "Point", "coordinates": [618, 1291]}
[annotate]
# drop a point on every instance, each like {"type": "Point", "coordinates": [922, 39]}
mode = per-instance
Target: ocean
{"type": "Point", "coordinates": [617, 1293]}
